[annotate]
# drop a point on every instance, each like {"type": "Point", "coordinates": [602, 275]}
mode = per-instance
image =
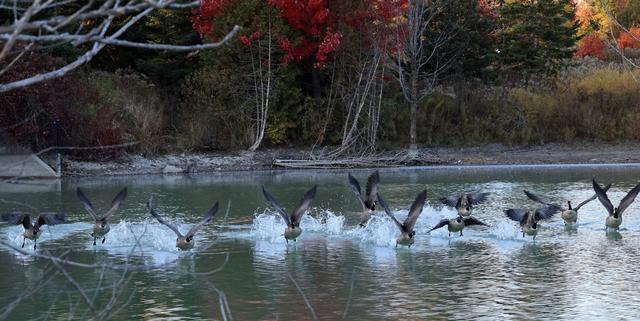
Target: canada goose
{"type": "Point", "coordinates": [464, 203]}
{"type": "Point", "coordinates": [369, 200]}
{"type": "Point", "coordinates": [185, 242]}
{"type": "Point", "coordinates": [457, 224]}
{"type": "Point", "coordinates": [528, 220]}
{"type": "Point", "coordinates": [101, 225]}
{"type": "Point", "coordinates": [406, 228]}
{"type": "Point", "coordinates": [569, 214]}
{"type": "Point", "coordinates": [293, 229]}
{"type": "Point", "coordinates": [614, 219]}
{"type": "Point", "coordinates": [32, 231]}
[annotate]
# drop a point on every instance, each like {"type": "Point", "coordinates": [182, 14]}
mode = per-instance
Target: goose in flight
{"type": "Point", "coordinates": [101, 225]}
{"type": "Point", "coordinates": [529, 219]}
{"type": "Point", "coordinates": [614, 219]}
{"type": "Point", "coordinates": [293, 230]}
{"type": "Point", "coordinates": [406, 228]}
{"type": "Point", "coordinates": [464, 203]}
{"type": "Point", "coordinates": [32, 230]}
{"type": "Point", "coordinates": [569, 214]}
{"type": "Point", "coordinates": [369, 200]}
{"type": "Point", "coordinates": [185, 242]}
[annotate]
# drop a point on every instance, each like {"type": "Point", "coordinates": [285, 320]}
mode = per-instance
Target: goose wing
{"type": "Point", "coordinates": [389, 213]}
{"type": "Point", "coordinates": [443, 222]}
{"type": "Point", "coordinates": [372, 190]}
{"type": "Point", "coordinates": [546, 212]}
{"type": "Point", "coordinates": [451, 201]}
{"type": "Point", "coordinates": [16, 218]}
{"type": "Point", "coordinates": [606, 188]}
{"type": "Point", "coordinates": [157, 216]}
{"type": "Point", "coordinates": [355, 187]}
{"type": "Point", "coordinates": [50, 219]}
{"type": "Point", "coordinates": [86, 203]}
{"type": "Point", "coordinates": [414, 212]}
{"type": "Point", "coordinates": [275, 205]}
{"type": "Point", "coordinates": [477, 198]}
{"type": "Point", "coordinates": [628, 199]}
{"type": "Point", "coordinates": [536, 198]}
{"type": "Point", "coordinates": [602, 197]}
{"type": "Point", "coordinates": [472, 221]}
{"type": "Point", "coordinates": [115, 204]}
{"type": "Point", "coordinates": [516, 214]}
{"type": "Point", "coordinates": [207, 217]}
{"type": "Point", "coordinates": [305, 202]}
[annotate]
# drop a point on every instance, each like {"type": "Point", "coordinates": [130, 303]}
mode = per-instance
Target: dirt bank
{"type": "Point", "coordinates": [579, 153]}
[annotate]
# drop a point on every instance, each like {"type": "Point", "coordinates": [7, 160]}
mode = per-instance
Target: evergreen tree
{"type": "Point", "coordinates": [536, 37]}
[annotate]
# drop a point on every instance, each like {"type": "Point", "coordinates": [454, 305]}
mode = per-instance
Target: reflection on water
{"type": "Point", "coordinates": [345, 271]}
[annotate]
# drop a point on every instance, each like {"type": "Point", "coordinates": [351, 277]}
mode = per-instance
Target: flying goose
{"type": "Point", "coordinates": [529, 220]}
{"type": "Point", "coordinates": [293, 229]}
{"type": "Point", "coordinates": [185, 242]}
{"type": "Point", "coordinates": [464, 203]}
{"type": "Point", "coordinates": [32, 231]}
{"type": "Point", "coordinates": [457, 224]}
{"type": "Point", "coordinates": [406, 228]}
{"type": "Point", "coordinates": [369, 200]}
{"type": "Point", "coordinates": [101, 225]}
{"type": "Point", "coordinates": [569, 214]}
{"type": "Point", "coordinates": [614, 219]}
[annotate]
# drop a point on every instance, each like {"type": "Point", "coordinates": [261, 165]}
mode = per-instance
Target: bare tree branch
{"type": "Point", "coordinates": [46, 31]}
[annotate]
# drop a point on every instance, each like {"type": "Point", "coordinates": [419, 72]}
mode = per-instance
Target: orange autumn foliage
{"type": "Point", "coordinates": [629, 39]}
{"type": "Point", "coordinates": [591, 45]}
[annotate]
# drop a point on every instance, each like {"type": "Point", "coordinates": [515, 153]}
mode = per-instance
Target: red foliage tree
{"type": "Point", "coordinates": [591, 45]}
{"type": "Point", "coordinates": [34, 116]}
{"type": "Point", "coordinates": [318, 26]}
{"type": "Point", "coordinates": [312, 26]}
{"type": "Point", "coordinates": [629, 39]}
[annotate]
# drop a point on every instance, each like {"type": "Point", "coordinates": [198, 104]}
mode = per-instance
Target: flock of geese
{"type": "Point", "coordinates": [528, 219]}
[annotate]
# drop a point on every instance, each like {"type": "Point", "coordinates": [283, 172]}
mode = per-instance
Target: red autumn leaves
{"type": "Point", "coordinates": [314, 22]}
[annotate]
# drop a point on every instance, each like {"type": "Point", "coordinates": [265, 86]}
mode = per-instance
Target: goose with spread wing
{"type": "Point", "coordinates": [464, 203]}
{"type": "Point", "coordinates": [529, 219]}
{"type": "Point", "coordinates": [369, 200]}
{"type": "Point", "coordinates": [292, 220]}
{"type": "Point", "coordinates": [407, 232]}
{"type": "Point", "coordinates": [569, 214]}
{"type": "Point", "coordinates": [101, 225]}
{"type": "Point", "coordinates": [457, 224]}
{"type": "Point", "coordinates": [185, 242]}
{"type": "Point", "coordinates": [32, 230]}
{"type": "Point", "coordinates": [614, 219]}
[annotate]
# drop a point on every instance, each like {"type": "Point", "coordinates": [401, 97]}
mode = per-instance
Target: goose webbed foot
{"type": "Point", "coordinates": [460, 233]}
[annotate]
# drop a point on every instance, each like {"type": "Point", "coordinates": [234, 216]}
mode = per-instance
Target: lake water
{"type": "Point", "coordinates": [242, 265]}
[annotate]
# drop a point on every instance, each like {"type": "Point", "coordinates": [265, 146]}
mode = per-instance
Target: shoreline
{"type": "Point", "coordinates": [555, 154]}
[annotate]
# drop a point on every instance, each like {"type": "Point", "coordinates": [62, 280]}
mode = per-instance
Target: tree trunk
{"type": "Point", "coordinates": [413, 115]}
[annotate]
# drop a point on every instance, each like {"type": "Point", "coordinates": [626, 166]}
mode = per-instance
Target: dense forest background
{"type": "Point", "coordinates": [348, 76]}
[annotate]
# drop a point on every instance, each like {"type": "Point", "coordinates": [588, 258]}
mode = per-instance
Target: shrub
{"type": "Point", "coordinates": [213, 114]}
{"type": "Point", "coordinates": [54, 112]}
{"type": "Point", "coordinates": [592, 45]}
{"type": "Point", "coordinates": [137, 107]}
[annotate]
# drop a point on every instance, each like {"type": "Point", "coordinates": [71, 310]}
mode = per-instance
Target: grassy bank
{"type": "Point", "coordinates": [588, 102]}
